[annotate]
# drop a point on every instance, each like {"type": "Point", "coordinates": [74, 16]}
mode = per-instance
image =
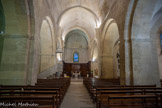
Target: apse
{"type": "Point", "coordinates": [76, 45]}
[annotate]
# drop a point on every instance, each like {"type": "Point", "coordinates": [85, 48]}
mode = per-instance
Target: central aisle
{"type": "Point", "coordinates": [77, 96]}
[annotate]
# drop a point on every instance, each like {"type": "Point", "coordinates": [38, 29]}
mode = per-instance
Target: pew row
{"type": "Point", "coordinates": [110, 94]}
{"type": "Point", "coordinates": [55, 88]}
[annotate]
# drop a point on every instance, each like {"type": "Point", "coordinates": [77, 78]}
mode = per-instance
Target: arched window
{"type": "Point", "coordinates": [2, 29]}
{"type": "Point", "coordinates": [75, 57]}
{"type": "Point", "coordinates": [161, 40]}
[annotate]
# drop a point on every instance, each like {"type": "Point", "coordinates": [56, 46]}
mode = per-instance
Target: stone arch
{"type": "Point", "coordinates": [46, 42]}
{"type": "Point", "coordinates": [87, 35]}
{"type": "Point", "coordinates": [53, 38]}
{"type": "Point", "coordinates": [74, 7]}
{"type": "Point", "coordinates": [110, 37]}
{"type": "Point", "coordinates": [155, 31]}
{"type": "Point", "coordinates": [128, 42]}
{"type": "Point", "coordinates": [144, 57]}
{"type": "Point", "coordinates": [47, 49]}
{"type": "Point", "coordinates": [76, 40]}
{"type": "Point", "coordinates": [79, 31]}
{"type": "Point", "coordinates": [78, 17]}
{"type": "Point", "coordinates": [107, 24]}
{"type": "Point", "coordinates": [49, 21]}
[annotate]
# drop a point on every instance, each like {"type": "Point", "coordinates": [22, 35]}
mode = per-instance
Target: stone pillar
{"type": "Point", "coordinates": [145, 64]}
{"type": "Point", "coordinates": [128, 42]}
{"type": "Point", "coordinates": [98, 34]}
{"type": "Point", "coordinates": [127, 62]}
{"type": "Point", "coordinates": [122, 61]}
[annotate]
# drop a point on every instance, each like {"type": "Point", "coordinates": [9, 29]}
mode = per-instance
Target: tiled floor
{"type": "Point", "coordinates": [77, 96]}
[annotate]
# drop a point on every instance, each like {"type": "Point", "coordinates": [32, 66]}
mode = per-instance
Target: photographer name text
{"type": "Point", "coordinates": [14, 104]}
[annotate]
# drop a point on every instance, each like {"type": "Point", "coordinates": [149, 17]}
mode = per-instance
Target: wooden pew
{"type": "Point", "coordinates": [31, 88]}
{"type": "Point", "coordinates": [133, 98]}
{"type": "Point", "coordinates": [32, 93]}
{"type": "Point", "coordinates": [143, 91]}
{"type": "Point", "coordinates": [52, 87]}
{"type": "Point", "coordinates": [102, 97]}
{"type": "Point", "coordinates": [95, 89]}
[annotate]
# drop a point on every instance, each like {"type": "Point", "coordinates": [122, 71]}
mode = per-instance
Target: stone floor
{"type": "Point", "coordinates": [77, 96]}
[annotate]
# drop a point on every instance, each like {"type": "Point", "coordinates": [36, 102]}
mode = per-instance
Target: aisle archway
{"type": "Point", "coordinates": [109, 61]}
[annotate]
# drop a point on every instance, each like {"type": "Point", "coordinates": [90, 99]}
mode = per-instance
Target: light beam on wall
{"type": "Point", "coordinates": [59, 54]}
{"type": "Point", "coordinates": [58, 57]}
{"type": "Point", "coordinates": [63, 38]}
{"type": "Point", "coordinates": [94, 59]}
{"type": "Point", "coordinates": [98, 24]}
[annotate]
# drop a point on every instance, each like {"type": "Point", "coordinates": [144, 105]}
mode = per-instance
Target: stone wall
{"type": "Point", "coordinates": [46, 73]}
{"type": "Point", "coordinates": [14, 60]}
{"type": "Point", "coordinates": [76, 41]}
{"type": "Point", "coordinates": [145, 64]}
{"type": "Point", "coordinates": [14, 56]}
{"type": "Point", "coordinates": [83, 55]}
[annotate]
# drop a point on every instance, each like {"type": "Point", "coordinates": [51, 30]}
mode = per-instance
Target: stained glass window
{"type": "Point", "coordinates": [161, 40]}
{"type": "Point", "coordinates": [76, 57]}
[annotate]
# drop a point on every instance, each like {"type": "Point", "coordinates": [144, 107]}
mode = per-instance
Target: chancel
{"type": "Point", "coordinates": [81, 53]}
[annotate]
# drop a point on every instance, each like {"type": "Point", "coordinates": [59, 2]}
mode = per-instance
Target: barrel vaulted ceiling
{"type": "Point", "coordinates": [86, 15]}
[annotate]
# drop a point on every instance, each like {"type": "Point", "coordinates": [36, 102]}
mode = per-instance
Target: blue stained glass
{"type": "Point", "coordinates": [161, 40]}
{"type": "Point", "coordinates": [76, 57]}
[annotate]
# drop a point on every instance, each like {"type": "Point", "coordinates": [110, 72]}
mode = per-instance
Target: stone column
{"type": "Point", "coordinates": [145, 64]}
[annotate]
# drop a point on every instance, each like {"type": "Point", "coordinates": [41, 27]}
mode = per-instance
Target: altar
{"type": "Point", "coordinates": [76, 69]}
{"type": "Point", "coordinates": [76, 74]}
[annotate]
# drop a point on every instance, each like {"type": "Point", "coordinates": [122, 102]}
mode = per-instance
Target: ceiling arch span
{"type": "Point", "coordinates": [79, 17]}
{"type": "Point", "coordinates": [74, 7]}
{"type": "Point", "coordinates": [49, 21]}
{"type": "Point", "coordinates": [91, 32]}
{"type": "Point", "coordinates": [77, 31]}
{"type": "Point", "coordinates": [65, 33]}
{"type": "Point", "coordinates": [106, 26]}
